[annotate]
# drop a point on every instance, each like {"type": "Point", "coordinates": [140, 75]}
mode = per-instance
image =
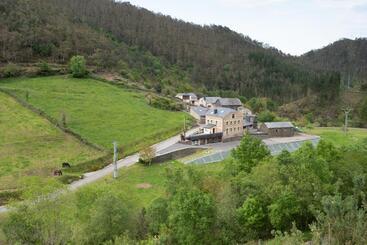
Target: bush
{"type": "Point", "coordinates": [78, 67]}
{"type": "Point", "coordinates": [146, 155]}
{"type": "Point", "coordinates": [165, 103]}
{"type": "Point", "coordinates": [266, 116]}
{"type": "Point", "coordinates": [44, 69]}
{"type": "Point", "coordinates": [12, 70]}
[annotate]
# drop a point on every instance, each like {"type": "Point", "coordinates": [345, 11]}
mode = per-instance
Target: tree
{"type": "Point", "coordinates": [284, 211]}
{"type": "Point", "coordinates": [109, 218]}
{"type": "Point", "coordinates": [252, 215]}
{"type": "Point", "coordinates": [248, 154]}
{"type": "Point", "coordinates": [266, 116]}
{"type": "Point", "coordinates": [47, 222]}
{"type": "Point", "coordinates": [157, 215]}
{"type": "Point", "coordinates": [146, 155]}
{"type": "Point", "coordinates": [77, 66]}
{"type": "Point", "coordinates": [192, 217]}
{"type": "Point", "coordinates": [342, 221]}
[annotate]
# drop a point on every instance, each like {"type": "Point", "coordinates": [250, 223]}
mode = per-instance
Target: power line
{"type": "Point", "coordinates": [115, 159]}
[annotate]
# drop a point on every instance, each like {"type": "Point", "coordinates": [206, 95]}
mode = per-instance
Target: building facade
{"type": "Point", "coordinates": [278, 129]}
{"type": "Point", "coordinates": [188, 98]}
{"type": "Point", "coordinates": [227, 121]}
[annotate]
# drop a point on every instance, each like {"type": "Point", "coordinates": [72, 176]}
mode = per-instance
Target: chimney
{"type": "Point", "coordinates": [215, 111]}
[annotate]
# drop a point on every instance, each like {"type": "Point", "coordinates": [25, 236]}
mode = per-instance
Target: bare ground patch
{"type": "Point", "coordinates": [144, 186]}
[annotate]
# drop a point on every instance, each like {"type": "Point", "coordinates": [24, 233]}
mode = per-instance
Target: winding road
{"type": "Point", "coordinates": [125, 162]}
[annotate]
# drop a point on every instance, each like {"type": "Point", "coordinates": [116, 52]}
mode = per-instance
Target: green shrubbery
{"type": "Point", "coordinates": [78, 67]}
{"type": "Point", "coordinates": [11, 70]}
{"type": "Point", "coordinates": [312, 190]}
{"type": "Point", "coordinates": [164, 103]}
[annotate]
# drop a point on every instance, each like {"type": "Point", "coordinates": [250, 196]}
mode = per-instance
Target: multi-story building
{"type": "Point", "coordinates": [222, 125]}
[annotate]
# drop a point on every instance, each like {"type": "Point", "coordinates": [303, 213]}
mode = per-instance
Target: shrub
{"type": "Point", "coordinates": [147, 155]}
{"type": "Point", "coordinates": [44, 68]}
{"type": "Point", "coordinates": [164, 103]}
{"type": "Point", "coordinates": [12, 70]}
{"type": "Point", "coordinates": [266, 116]}
{"type": "Point", "coordinates": [78, 67]}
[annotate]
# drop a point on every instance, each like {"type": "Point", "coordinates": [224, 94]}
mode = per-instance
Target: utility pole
{"type": "Point", "coordinates": [346, 113]}
{"type": "Point", "coordinates": [115, 159]}
{"type": "Point", "coordinates": [185, 125]}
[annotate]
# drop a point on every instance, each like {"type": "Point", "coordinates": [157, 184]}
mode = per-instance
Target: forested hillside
{"type": "Point", "coordinates": [347, 56]}
{"type": "Point", "coordinates": [143, 46]}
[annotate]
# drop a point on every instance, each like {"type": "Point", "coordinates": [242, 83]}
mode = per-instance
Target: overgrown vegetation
{"type": "Point", "coordinates": [319, 191]}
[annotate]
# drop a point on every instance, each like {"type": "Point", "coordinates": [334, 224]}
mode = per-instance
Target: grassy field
{"type": "Point", "coordinates": [31, 146]}
{"type": "Point", "coordinates": [99, 112]}
{"type": "Point", "coordinates": [143, 184]}
{"type": "Point", "coordinates": [338, 137]}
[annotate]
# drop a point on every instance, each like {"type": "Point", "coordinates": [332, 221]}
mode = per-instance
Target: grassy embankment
{"type": "Point", "coordinates": [32, 146]}
{"type": "Point", "coordinates": [338, 137]}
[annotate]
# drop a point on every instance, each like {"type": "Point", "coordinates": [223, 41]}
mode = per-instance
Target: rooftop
{"type": "Point", "coordinates": [208, 126]}
{"type": "Point", "coordinates": [279, 125]}
{"type": "Point", "coordinates": [201, 111]}
{"type": "Point", "coordinates": [189, 94]}
{"type": "Point", "coordinates": [211, 100]}
{"type": "Point", "coordinates": [230, 101]}
{"type": "Point", "coordinates": [220, 112]}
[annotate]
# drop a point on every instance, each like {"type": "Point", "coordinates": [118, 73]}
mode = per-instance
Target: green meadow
{"type": "Point", "coordinates": [338, 137]}
{"type": "Point", "coordinates": [32, 146]}
{"type": "Point", "coordinates": [142, 184]}
{"type": "Point", "coordinates": [99, 112]}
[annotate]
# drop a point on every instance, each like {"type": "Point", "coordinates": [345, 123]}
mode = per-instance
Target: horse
{"type": "Point", "coordinates": [66, 165]}
{"type": "Point", "coordinates": [57, 172]}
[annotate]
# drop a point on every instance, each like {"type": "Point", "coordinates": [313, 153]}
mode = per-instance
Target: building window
{"type": "Point", "coordinates": [231, 122]}
{"type": "Point", "coordinates": [238, 121]}
{"type": "Point", "coordinates": [227, 131]}
{"type": "Point", "coordinates": [227, 123]}
{"type": "Point", "coordinates": [230, 129]}
{"type": "Point", "coordinates": [232, 115]}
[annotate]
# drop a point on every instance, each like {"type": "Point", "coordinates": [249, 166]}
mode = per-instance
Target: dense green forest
{"type": "Point", "coordinates": [314, 194]}
{"type": "Point", "coordinates": [347, 56]}
{"type": "Point", "coordinates": [144, 46]}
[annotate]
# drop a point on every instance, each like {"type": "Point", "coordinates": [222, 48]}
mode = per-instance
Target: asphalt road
{"type": "Point", "coordinates": [125, 162]}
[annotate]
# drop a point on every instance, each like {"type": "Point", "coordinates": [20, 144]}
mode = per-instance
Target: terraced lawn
{"type": "Point", "coordinates": [32, 146]}
{"type": "Point", "coordinates": [100, 112]}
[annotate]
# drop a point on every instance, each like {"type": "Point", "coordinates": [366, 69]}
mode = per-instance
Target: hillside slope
{"type": "Point", "coordinates": [31, 146]}
{"type": "Point", "coordinates": [101, 113]}
{"type": "Point", "coordinates": [347, 56]}
{"type": "Point", "coordinates": [145, 46]}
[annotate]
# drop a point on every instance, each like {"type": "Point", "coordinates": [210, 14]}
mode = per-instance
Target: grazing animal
{"type": "Point", "coordinates": [57, 172]}
{"type": "Point", "coordinates": [66, 165]}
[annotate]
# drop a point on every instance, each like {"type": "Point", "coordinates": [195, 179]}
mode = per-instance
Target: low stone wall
{"type": "Point", "coordinates": [176, 154]}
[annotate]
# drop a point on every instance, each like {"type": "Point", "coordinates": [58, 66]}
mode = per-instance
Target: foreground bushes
{"type": "Point", "coordinates": [319, 191]}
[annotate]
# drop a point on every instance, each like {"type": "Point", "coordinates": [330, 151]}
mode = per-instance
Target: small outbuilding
{"type": "Point", "coordinates": [188, 98]}
{"type": "Point", "coordinates": [278, 129]}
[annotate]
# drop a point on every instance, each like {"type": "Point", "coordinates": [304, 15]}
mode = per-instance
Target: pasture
{"type": "Point", "coordinates": [338, 137]}
{"type": "Point", "coordinates": [99, 112]}
{"type": "Point", "coordinates": [32, 146]}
